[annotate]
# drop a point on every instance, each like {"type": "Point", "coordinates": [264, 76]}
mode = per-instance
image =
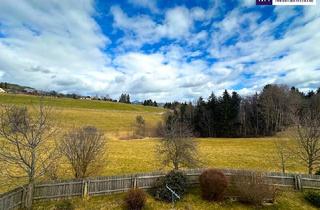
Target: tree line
{"type": "Point", "coordinates": [261, 114]}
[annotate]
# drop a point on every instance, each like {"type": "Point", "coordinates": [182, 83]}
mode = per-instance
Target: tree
{"type": "Point", "coordinates": [149, 102]}
{"type": "Point", "coordinates": [177, 147]}
{"type": "Point", "coordinates": [282, 153]}
{"type": "Point", "coordinates": [25, 143]}
{"type": "Point", "coordinates": [274, 106]}
{"type": "Point", "coordinates": [308, 139]}
{"type": "Point", "coordinates": [128, 99]}
{"type": "Point", "coordinates": [124, 98]}
{"type": "Point", "coordinates": [84, 149]}
{"type": "Point", "coordinates": [140, 126]}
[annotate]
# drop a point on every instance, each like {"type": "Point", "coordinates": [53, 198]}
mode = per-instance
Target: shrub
{"type": "Point", "coordinates": [213, 184]}
{"type": "Point", "coordinates": [313, 197]}
{"type": "Point", "coordinates": [253, 188]}
{"type": "Point", "coordinates": [176, 180]}
{"type": "Point", "coordinates": [64, 205]}
{"type": "Point", "coordinates": [317, 172]}
{"type": "Point", "coordinates": [135, 199]}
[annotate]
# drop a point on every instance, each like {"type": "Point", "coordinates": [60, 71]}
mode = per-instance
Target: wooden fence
{"type": "Point", "coordinates": [115, 184]}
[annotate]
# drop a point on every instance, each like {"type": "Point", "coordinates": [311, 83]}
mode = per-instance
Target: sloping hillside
{"type": "Point", "coordinates": [21, 99]}
{"type": "Point", "coordinates": [108, 116]}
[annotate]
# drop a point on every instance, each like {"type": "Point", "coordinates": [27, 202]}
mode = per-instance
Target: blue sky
{"type": "Point", "coordinates": [163, 50]}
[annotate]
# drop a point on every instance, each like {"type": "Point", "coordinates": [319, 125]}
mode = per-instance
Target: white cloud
{"type": "Point", "coordinates": [289, 58]}
{"type": "Point", "coordinates": [177, 24]}
{"type": "Point", "coordinates": [58, 36]}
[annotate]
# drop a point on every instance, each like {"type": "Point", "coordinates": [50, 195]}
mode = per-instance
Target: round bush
{"type": "Point", "coordinates": [213, 184]}
{"type": "Point", "coordinates": [176, 180]}
{"type": "Point", "coordinates": [135, 199]}
{"type": "Point", "coordinates": [64, 205]}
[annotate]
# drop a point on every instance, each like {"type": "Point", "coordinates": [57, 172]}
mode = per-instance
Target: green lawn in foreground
{"type": "Point", "coordinates": [192, 201]}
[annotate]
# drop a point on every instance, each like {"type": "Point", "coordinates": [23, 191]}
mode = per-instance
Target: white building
{"type": "Point", "coordinates": [2, 90]}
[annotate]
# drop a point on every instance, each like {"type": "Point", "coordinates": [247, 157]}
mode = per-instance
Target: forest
{"type": "Point", "coordinates": [273, 109]}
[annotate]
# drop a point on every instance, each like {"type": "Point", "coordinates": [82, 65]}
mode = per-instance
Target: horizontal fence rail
{"type": "Point", "coordinates": [114, 184]}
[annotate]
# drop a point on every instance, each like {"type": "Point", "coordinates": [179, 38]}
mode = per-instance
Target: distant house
{"type": "Point", "coordinates": [2, 90]}
{"type": "Point", "coordinates": [29, 90]}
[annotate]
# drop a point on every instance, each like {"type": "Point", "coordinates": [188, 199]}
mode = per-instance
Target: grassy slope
{"type": "Point", "coordinates": [73, 103]}
{"type": "Point", "coordinates": [108, 116]}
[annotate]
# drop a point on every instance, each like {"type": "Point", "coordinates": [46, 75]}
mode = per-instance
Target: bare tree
{"type": "Point", "coordinates": [282, 153]}
{"type": "Point", "coordinates": [25, 142]}
{"type": "Point", "coordinates": [84, 148]}
{"type": "Point", "coordinates": [140, 126]}
{"type": "Point", "coordinates": [308, 139]}
{"type": "Point", "coordinates": [177, 147]}
{"type": "Point", "coordinates": [274, 106]}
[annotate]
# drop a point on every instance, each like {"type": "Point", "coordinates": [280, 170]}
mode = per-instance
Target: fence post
{"type": "Point", "coordinates": [134, 181]}
{"type": "Point", "coordinates": [85, 191]}
{"type": "Point", "coordinates": [297, 182]}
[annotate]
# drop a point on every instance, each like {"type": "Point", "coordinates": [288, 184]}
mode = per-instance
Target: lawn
{"type": "Point", "coordinates": [192, 201]}
{"type": "Point", "coordinates": [131, 156]}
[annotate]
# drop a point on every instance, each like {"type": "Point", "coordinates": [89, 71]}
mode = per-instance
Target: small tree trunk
{"type": "Point", "coordinates": [29, 196]}
{"type": "Point", "coordinates": [310, 169]}
{"type": "Point", "coordinates": [176, 166]}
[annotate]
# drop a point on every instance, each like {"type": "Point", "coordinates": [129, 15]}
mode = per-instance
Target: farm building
{"type": "Point", "coordinates": [2, 90]}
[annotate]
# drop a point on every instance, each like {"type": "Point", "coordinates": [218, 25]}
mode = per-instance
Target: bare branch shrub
{"type": "Point", "coordinates": [84, 149]}
{"type": "Point", "coordinates": [135, 199]}
{"type": "Point", "coordinates": [252, 188]}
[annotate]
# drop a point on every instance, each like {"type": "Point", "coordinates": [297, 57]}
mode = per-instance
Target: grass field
{"type": "Point", "coordinates": [131, 156]}
{"type": "Point", "coordinates": [20, 99]}
{"type": "Point", "coordinates": [108, 116]}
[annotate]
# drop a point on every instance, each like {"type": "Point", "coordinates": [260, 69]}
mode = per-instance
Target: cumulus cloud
{"type": "Point", "coordinates": [176, 24]}
{"type": "Point", "coordinates": [52, 39]}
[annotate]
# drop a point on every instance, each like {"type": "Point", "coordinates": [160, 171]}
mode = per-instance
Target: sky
{"type": "Point", "coordinates": [158, 49]}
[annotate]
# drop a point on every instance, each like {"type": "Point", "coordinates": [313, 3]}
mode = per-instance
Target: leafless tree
{"type": "Point", "coordinates": [308, 139]}
{"type": "Point", "coordinates": [25, 144]}
{"type": "Point", "coordinates": [177, 147]}
{"type": "Point", "coordinates": [84, 149]}
{"type": "Point", "coordinates": [140, 126]}
{"type": "Point", "coordinates": [274, 106]}
{"type": "Point", "coordinates": [282, 153]}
